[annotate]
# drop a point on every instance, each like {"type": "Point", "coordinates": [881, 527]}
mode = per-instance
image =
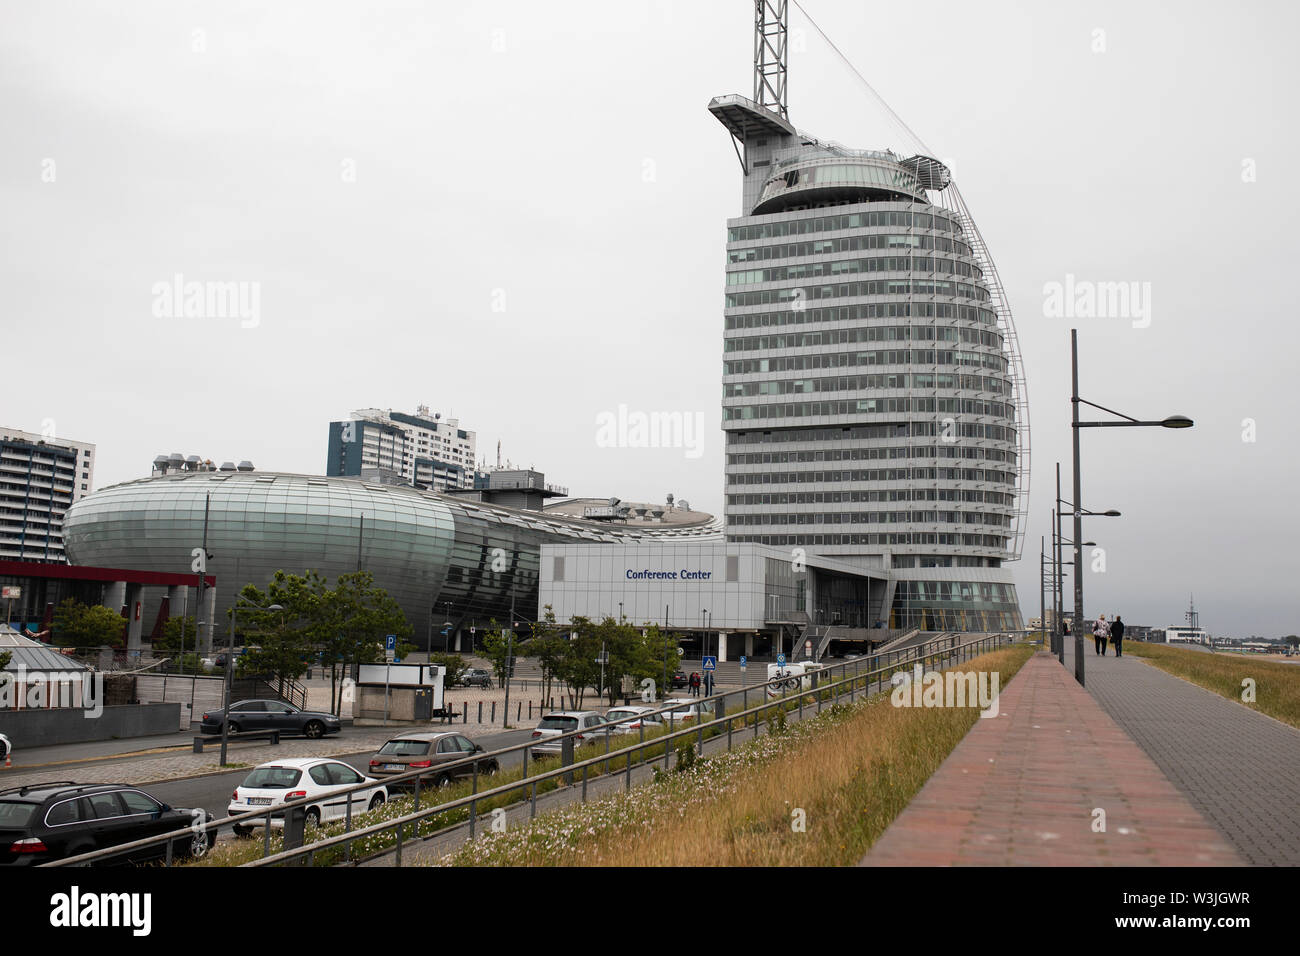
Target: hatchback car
{"type": "Point", "coordinates": [562, 722]}
{"type": "Point", "coordinates": [414, 751]}
{"type": "Point", "coordinates": [271, 715]}
{"type": "Point", "coordinates": [319, 779]}
{"type": "Point", "coordinates": [641, 717]}
{"type": "Point", "coordinates": [53, 821]}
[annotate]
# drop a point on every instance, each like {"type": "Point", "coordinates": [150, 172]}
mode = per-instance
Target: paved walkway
{"type": "Point", "coordinates": [1238, 767]}
{"type": "Point", "coordinates": [1023, 789]}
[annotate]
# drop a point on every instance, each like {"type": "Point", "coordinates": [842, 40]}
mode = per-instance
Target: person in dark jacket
{"type": "Point", "coordinates": [1117, 636]}
{"type": "Point", "coordinates": [695, 684]}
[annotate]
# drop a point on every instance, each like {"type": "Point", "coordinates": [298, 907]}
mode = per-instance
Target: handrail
{"type": "Point", "coordinates": [909, 655]}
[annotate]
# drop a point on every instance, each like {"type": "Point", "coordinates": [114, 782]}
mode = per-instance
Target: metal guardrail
{"type": "Point", "coordinates": [945, 649]}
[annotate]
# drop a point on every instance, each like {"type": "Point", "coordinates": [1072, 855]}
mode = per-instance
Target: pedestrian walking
{"type": "Point", "coordinates": [1100, 632]}
{"type": "Point", "coordinates": [1117, 636]}
{"type": "Point", "coordinates": [695, 684]}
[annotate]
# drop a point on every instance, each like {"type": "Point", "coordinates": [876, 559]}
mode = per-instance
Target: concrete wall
{"type": "Point", "coordinates": [43, 728]}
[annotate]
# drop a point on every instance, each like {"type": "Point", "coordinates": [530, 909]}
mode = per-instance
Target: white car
{"type": "Point", "coordinates": [562, 722]}
{"type": "Point", "coordinates": [642, 716]}
{"type": "Point", "coordinates": [318, 778]}
{"type": "Point", "coordinates": [684, 710]}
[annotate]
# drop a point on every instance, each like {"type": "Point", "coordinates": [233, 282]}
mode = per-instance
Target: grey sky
{"type": "Point", "coordinates": [391, 175]}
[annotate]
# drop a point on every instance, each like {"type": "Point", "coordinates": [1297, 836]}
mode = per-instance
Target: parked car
{"type": "Point", "coordinates": [679, 680]}
{"type": "Point", "coordinates": [271, 715]}
{"type": "Point", "coordinates": [562, 722]}
{"type": "Point", "coordinates": [416, 750]}
{"type": "Point", "coordinates": [645, 716]}
{"type": "Point", "coordinates": [53, 821]}
{"type": "Point", "coordinates": [6, 747]}
{"type": "Point", "coordinates": [686, 709]}
{"type": "Point", "coordinates": [317, 778]}
{"type": "Point", "coordinates": [474, 677]}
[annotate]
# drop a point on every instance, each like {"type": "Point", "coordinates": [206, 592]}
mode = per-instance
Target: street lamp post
{"type": "Point", "coordinates": [1171, 421]}
{"type": "Point", "coordinates": [230, 669]}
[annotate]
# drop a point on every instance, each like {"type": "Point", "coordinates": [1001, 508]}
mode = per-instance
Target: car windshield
{"type": "Point", "coordinates": [405, 748]}
{"type": "Point", "coordinates": [16, 813]}
{"type": "Point", "coordinates": [272, 778]}
{"type": "Point", "coordinates": [558, 723]}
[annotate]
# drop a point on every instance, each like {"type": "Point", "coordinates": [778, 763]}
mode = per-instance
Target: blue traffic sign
{"type": "Point", "coordinates": [390, 642]}
{"type": "Point", "coordinates": [743, 660]}
{"type": "Point", "coordinates": [780, 660]}
{"type": "Point", "coordinates": [710, 663]}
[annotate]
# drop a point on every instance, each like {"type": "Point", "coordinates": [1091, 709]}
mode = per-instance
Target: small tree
{"type": "Point", "coordinates": [78, 625]}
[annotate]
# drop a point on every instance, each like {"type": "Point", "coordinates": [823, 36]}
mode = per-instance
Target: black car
{"type": "Point", "coordinates": [52, 821]}
{"type": "Point", "coordinates": [271, 715]}
{"type": "Point", "coordinates": [679, 680]}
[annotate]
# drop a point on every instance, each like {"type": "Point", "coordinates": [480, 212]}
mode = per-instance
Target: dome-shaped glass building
{"type": "Point", "coordinates": [442, 559]}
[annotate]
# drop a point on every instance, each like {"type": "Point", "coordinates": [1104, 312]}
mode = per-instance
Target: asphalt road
{"type": "Point", "coordinates": [212, 793]}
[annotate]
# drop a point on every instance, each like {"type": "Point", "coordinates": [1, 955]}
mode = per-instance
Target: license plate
{"type": "Point", "coordinates": [394, 766]}
{"type": "Point", "coordinates": [259, 801]}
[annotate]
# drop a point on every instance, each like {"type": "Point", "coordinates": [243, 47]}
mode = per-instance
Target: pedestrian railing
{"type": "Point", "coordinates": [828, 682]}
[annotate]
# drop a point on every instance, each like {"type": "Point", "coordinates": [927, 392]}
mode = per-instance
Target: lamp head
{"type": "Point", "coordinates": [1177, 421]}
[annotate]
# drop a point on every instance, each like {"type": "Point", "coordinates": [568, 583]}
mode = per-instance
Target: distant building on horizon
{"type": "Point", "coordinates": [422, 450]}
{"type": "Point", "coordinates": [40, 477]}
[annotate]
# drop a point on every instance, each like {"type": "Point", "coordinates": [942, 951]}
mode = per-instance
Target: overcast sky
{"type": "Point", "coordinates": [514, 212]}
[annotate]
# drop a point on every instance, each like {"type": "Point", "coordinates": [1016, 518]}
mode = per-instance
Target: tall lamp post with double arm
{"type": "Point", "coordinates": [1126, 421]}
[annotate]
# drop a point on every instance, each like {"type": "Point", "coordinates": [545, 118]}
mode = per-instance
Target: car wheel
{"type": "Point", "coordinates": [200, 844]}
{"type": "Point", "coordinates": [314, 729]}
{"type": "Point", "coordinates": [442, 780]}
{"type": "Point", "coordinates": [234, 727]}
{"type": "Point", "coordinates": [491, 769]}
{"type": "Point", "coordinates": [376, 801]}
{"type": "Point", "coordinates": [241, 831]}
{"type": "Point", "coordinates": [313, 816]}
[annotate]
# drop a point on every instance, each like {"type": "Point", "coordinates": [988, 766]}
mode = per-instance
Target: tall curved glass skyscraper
{"type": "Point", "coordinates": [871, 387]}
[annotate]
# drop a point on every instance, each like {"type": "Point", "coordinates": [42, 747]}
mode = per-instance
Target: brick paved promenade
{"type": "Point", "coordinates": [1021, 789]}
{"type": "Point", "coordinates": [1239, 768]}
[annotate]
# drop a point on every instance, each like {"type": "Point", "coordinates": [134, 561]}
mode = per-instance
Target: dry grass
{"type": "Point", "coordinates": [850, 771]}
{"type": "Point", "coordinates": [1277, 686]}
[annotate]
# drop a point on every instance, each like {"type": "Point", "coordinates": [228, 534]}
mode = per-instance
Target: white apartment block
{"type": "Point", "coordinates": [40, 477]}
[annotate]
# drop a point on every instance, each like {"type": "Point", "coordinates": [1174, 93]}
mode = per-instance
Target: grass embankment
{"type": "Point", "coordinates": [237, 851]}
{"type": "Point", "coordinates": [850, 770]}
{"type": "Point", "coordinates": [1277, 686]}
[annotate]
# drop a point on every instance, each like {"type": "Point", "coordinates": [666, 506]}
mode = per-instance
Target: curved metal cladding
{"type": "Point", "coordinates": [425, 549]}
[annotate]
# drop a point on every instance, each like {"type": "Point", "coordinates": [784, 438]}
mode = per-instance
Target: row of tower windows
{"type": "Point", "coordinates": [839, 267]}
{"type": "Point", "coordinates": [874, 474]}
{"type": "Point", "coordinates": [853, 383]}
{"type": "Point", "coordinates": [859, 432]}
{"type": "Point", "coordinates": [896, 539]}
{"type": "Point", "coordinates": [883, 310]}
{"type": "Point", "coordinates": [870, 517]}
{"type": "Point", "coordinates": [867, 406]}
{"type": "Point", "coordinates": [843, 290]}
{"type": "Point", "coordinates": [855, 220]}
{"type": "Point", "coordinates": [972, 496]}
{"type": "Point", "coordinates": [878, 453]}
{"type": "Point", "coordinates": [818, 247]}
